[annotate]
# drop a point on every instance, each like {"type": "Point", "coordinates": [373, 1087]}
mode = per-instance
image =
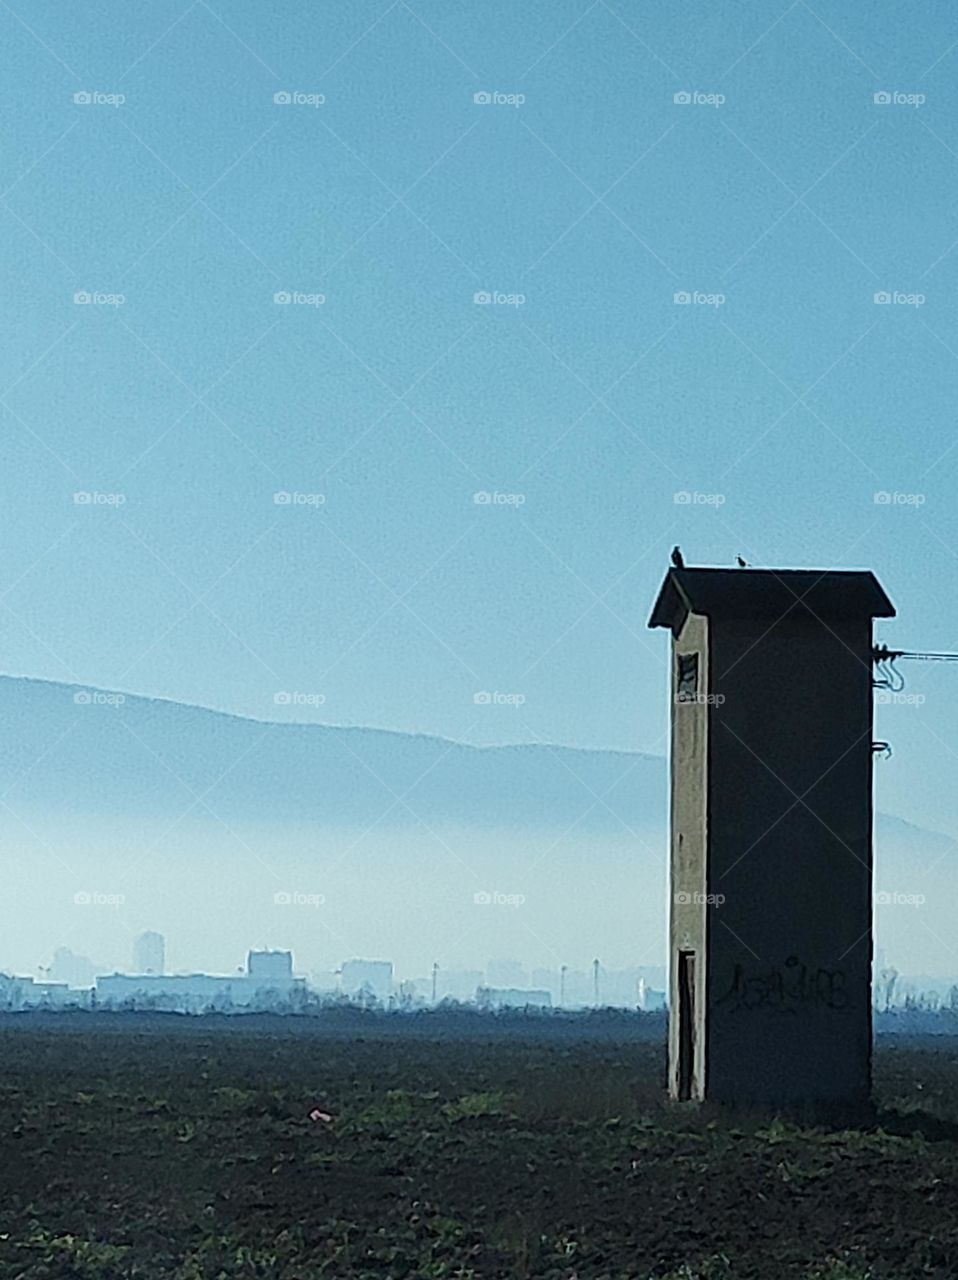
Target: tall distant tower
{"type": "Point", "coordinates": [771, 834]}
{"type": "Point", "coordinates": [149, 953]}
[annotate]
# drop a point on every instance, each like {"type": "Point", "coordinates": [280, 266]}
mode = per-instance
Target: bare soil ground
{"type": "Point", "coordinates": [150, 1149]}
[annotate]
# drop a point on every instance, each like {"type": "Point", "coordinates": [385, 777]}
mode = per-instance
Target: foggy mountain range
{"type": "Point", "coordinates": [146, 755]}
{"type": "Point", "coordinates": [196, 819]}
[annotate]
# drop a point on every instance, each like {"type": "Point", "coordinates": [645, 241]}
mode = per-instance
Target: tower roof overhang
{"type": "Point", "coordinates": [768, 594]}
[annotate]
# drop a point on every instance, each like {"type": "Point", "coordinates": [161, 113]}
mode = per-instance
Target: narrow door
{"type": "Point", "coordinates": [686, 1023]}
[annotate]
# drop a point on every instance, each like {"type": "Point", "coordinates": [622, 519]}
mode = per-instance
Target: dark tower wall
{"type": "Point", "coordinates": [790, 849]}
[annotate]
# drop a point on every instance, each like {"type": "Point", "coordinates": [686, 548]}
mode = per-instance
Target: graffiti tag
{"type": "Point", "coordinates": [788, 987]}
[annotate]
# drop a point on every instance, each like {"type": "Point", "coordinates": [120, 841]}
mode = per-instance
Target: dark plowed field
{"type": "Point", "coordinates": [160, 1151]}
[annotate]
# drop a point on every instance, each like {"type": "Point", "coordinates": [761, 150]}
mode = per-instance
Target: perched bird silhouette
{"type": "Point", "coordinates": [742, 564]}
{"type": "Point", "coordinates": [677, 560]}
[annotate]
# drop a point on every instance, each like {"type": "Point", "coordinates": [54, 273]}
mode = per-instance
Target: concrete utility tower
{"type": "Point", "coordinates": [771, 834]}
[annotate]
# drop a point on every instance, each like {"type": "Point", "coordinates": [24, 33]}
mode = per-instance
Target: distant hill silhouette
{"type": "Point", "coordinates": [68, 749]}
{"type": "Point", "coordinates": [145, 755]}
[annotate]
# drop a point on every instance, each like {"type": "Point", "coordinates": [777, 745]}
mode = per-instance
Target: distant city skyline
{"type": "Point", "coordinates": [641, 986]}
{"type": "Point", "coordinates": [638, 986]}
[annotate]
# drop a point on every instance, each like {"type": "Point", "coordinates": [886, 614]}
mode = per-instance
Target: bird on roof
{"type": "Point", "coordinates": [677, 559]}
{"type": "Point", "coordinates": [742, 564]}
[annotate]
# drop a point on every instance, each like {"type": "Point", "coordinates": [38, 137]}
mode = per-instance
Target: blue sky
{"type": "Point", "coordinates": [587, 406]}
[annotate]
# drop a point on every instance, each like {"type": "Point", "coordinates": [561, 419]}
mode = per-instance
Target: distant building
{"type": "Point", "coordinates": [375, 976]}
{"type": "Point", "coordinates": [274, 966]}
{"type": "Point", "coordinates": [420, 990]}
{"type": "Point", "coordinates": [75, 970]}
{"type": "Point", "coordinates": [650, 1000]}
{"type": "Point", "coordinates": [53, 995]}
{"type": "Point", "coordinates": [512, 998]}
{"type": "Point", "coordinates": [325, 981]}
{"type": "Point", "coordinates": [27, 993]}
{"type": "Point", "coordinates": [149, 953]}
{"type": "Point", "coordinates": [268, 983]}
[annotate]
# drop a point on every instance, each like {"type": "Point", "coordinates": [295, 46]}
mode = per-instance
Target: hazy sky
{"type": "Point", "coordinates": [782, 399]}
